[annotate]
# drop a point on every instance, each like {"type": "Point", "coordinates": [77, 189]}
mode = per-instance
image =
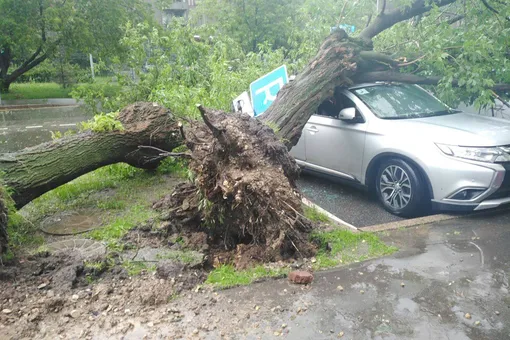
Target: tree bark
{"type": "Point", "coordinates": [34, 171]}
{"type": "Point", "coordinates": [336, 61]}
{"type": "Point", "coordinates": [339, 61]}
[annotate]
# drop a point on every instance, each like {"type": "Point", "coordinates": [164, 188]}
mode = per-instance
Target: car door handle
{"type": "Point", "coordinates": [313, 129]}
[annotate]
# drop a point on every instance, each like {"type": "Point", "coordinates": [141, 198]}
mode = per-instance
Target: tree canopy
{"type": "Point", "coordinates": [31, 31]}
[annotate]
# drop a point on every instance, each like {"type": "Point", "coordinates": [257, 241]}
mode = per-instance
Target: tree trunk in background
{"type": "Point", "coordinates": [4, 86]}
{"type": "Point", "coordinates": [34, 171]}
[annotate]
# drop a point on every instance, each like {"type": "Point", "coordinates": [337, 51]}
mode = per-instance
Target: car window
{"type": "Point", "coordinates": [331, 107]}
{"type": "Point", "coordinates": [400, 101]}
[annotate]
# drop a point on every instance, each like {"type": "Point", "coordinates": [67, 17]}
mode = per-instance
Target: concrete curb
{"type": "Point", "coordinates": [409, 223]}
{"type": "Point", "coordinates": [414, 222]}
{"type": "Point", "coordinates": [332, 217]}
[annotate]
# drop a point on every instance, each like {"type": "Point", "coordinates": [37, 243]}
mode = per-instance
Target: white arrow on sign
{"type": "Point", "coordinates": [267, 89]}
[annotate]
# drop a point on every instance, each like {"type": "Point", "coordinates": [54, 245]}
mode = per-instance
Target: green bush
{"type": "Point", "coordinates": [103, 122]}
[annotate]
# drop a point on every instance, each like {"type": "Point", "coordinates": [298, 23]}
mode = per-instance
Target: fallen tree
{"type": "Point", "coordinates": [31, 172]}
{"type": "Point", "coordinates": [245, 180]}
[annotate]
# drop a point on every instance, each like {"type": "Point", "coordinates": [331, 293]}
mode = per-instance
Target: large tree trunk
{"type": "Point", "coordinates": [335, 63]}
{"type": "Point", "coordinates": [340, 60]}
{"type": "Point", "coordinates": [31, 172]}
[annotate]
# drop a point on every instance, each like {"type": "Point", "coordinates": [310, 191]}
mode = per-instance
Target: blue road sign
{"type": "Point", "coordinates": [264, 90]}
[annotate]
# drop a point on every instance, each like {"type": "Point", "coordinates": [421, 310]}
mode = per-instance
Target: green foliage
{"type": "Point", "coordinates": [44, 73]}
{"type": "Point", "coordinates": [227, 276]}
{"type": "Point", "coordinates": [473, 50]}
{"type": "Point", "coordinates": [58, 134]}
{"type": "Point", "coordinates": [98, 94]}
{"type": "Point", "coordinates": [174, 70]}
{"type": "Point", "coordinates": [112, 232]}
{"type": "Point", "coordinates": [315, 215]}
{"type": "Point", "coordinates": [103, 122]}
{"type": "Point", "coordinates": [33, 30]}
{"type": "Point", "coordinates": [344, 247]}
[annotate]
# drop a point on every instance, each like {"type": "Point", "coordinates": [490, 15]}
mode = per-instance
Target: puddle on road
{"type": "Point", "coordinates": [71, 222]}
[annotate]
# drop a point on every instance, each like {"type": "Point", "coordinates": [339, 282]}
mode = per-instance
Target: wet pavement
{"type": "Point", "coordinates": [22, 128]}
{"type": "Point", "coordinates": [353, 205]}
{"type": "Point", "coordinates": [443, 272]}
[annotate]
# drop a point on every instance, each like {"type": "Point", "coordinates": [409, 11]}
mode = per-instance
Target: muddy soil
{"type": "Point", "coordinates": [55, 295]}
{"type": "Point", "coordinates": [48, 296]}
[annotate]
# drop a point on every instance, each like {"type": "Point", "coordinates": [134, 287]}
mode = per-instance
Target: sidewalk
{"type": "Point", "coordinates": [448, 282]}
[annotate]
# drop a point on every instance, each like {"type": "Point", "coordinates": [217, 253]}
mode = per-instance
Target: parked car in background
{"type": "Point", "coordinates": [409, 148]}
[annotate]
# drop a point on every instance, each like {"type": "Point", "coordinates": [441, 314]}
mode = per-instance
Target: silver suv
{"type": "Point", "coordinates": [409, 148]}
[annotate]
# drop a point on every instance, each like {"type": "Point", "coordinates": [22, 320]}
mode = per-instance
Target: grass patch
{"type": "Point", "coordinates": [36, 91]}
{"type": "Point", "coordinates": [122, 195]}
{"type": "Point", "coordinates": [227, 276]}
{"type": "Point", "coordinates": [348, 247]}
{"type": "Point", "coordinates": [119, 226]}
{"type": "Point", "coordinates": [134, 268]}
{"type": "Point", "coordinates": [315, 215]}
{"type": "Point", "coordinates": [20, 91]}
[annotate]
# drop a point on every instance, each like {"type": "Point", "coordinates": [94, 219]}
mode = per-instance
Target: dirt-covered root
{"type": "Point", "coordinates": [244, 191]}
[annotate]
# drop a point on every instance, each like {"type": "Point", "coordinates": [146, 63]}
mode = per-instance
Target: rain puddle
{"type": "Point", "coordinates": [71, 222]}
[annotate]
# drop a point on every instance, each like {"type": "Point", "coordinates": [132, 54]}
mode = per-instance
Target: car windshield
{"type": "Point", "coordinates": [401, 101]}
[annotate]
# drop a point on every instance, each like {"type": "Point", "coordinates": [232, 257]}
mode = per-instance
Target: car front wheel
{"type": "Point", "coordinates": [400, 188]}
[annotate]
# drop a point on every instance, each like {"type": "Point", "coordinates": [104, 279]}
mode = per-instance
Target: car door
{"type": "Point", "coordinates": [335, 146]}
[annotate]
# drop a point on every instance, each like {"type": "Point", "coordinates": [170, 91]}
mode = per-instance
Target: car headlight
{"type": "Point", "coordinates": [490, 154]}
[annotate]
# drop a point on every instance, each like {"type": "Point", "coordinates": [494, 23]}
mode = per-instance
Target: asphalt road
{"type": "Point", "coordinates": [350, 204]}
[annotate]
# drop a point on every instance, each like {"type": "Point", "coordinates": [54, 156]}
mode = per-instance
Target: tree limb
{"type": "Point", "coordinates": [386, 20]}
{"type": "Point", "coordinates": [164, 153]}
{"type": "Point", "coordinates": [454, 19]}
{"type": "Point", "coordinates": [26, 67]}
{"type": "Point", "coordinates": [383, 7]}
{"type": "Point", "coordinates": [392, 76]}
{"type": "Point", "coordinates": [500, 99]}
{"type": "Point", "coordinates": [368, 20]}
{"type": "Point", "coordinates": [489, 7]}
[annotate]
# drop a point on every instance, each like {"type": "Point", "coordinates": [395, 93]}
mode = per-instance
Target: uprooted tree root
{"type": "Point", "coordinates": [244, 191]}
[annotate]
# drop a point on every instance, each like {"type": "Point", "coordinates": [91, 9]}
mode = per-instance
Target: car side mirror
{"type": "Point", "coordinates": [347, 114]}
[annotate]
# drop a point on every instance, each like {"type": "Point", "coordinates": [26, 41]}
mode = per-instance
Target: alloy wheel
{"type": "Point", "coordinates": [395, 187]}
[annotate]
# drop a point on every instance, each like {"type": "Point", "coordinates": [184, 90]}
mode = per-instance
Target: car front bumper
{"type": "Point", "coordinates": [494, 177]}
{"type": "Point", "coordinates": [487, 204]}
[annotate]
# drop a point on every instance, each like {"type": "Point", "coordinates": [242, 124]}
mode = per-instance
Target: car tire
{"type": "Point", "coordinates": [400, 188]}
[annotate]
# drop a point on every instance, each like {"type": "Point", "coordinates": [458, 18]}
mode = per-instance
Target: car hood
{"type": "Point", "coordinates": [459, 129]}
